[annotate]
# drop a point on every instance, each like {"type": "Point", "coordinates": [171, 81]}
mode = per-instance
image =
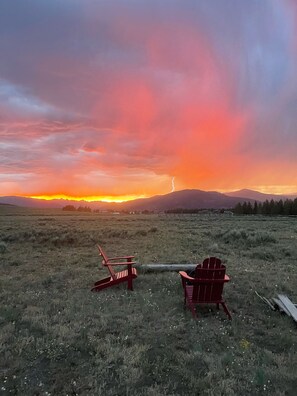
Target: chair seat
{"type": "Point", "coordinates": [124, 274]}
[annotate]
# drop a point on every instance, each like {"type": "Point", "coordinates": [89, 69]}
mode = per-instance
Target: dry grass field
{"type": "Point", "coordinates": [58, 338]}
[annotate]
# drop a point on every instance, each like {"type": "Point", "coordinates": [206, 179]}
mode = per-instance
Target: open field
{"type": "Point", "coordinates": [58, 338]}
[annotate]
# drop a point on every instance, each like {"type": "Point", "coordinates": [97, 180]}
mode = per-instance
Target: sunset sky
{"type": "Point", "coordinates": [119, 99]}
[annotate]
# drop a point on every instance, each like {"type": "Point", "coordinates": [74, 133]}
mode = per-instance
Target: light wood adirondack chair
{"type": "Point", "coordinates": [116, 277]}
{"type": "Point", "coordinates": [207, 285]}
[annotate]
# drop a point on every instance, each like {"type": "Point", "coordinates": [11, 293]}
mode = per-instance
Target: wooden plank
{"type": "Point", "coordinates": [281, 306]}
{"type": "Point", "coordinates": [289, 306]}
{"type": "Point", "coordinates": [168, 267]}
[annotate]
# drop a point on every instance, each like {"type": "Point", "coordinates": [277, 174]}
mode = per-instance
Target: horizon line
{"type": "Point", "coordinates": [131, 197]}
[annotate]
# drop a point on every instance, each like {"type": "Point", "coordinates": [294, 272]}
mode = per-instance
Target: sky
{"type": "Point", "coordinates": [119, 99]}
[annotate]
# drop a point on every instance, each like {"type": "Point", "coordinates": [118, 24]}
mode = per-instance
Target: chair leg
{"type": "Point", "coordinates": [130, 284]}
{"type": "Point", "coordinates": [218, 306]}
{"type": "Point", "coordinates": [193, 310]}
{"type": "Point", "coordinates": [226, 310]}
{"type": "Point", "coordinates": [130, 278]}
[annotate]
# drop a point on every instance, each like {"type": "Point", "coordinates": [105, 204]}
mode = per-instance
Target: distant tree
{"type": "Point", "coordinates": [280, 207]}
{"type": "Point", "coordinates": [238, 209]}
{"type": "Point", "coordinates": [84, 209]}
{"type": "Point", "coordinates": [266, 207]}
{"type": "Point", "coordinates": [273, 207]}
{"type": "Point", "coordinates": [255, 208]}
{"type": "Point", "coordinates": [70, 208]}
{"type": "Point", "coordinates": [294, 207]}
{"type": "Point", "coordinates": [244, 208]}
{"type": "Point", "coordinates": [287, 207]}
{"type": "Point", "coordinates": [260, 208]}
{"type": "Point", "coordinates": [249, 208]}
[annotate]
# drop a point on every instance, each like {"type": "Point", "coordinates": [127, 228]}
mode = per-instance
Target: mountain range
{"type": "Point", "coordinates": [185, 199]}
{"type": "Point", "coordinates": [258, 196]}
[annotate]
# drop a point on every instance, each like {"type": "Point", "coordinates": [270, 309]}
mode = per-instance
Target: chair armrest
{"type": "Point", "coordinates": [121, 258]}
{"type": "Point", "coordinates": [127, 263]}
{"type": "Point", "coordinates": [184, 275]}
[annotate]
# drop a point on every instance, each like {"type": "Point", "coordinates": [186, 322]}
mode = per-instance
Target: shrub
{"type": "Point", "coordinates": [117, 234]}
{"type": "Point", "coordinates": [70, 208]}
{"type": "Point", "coordinates": [3, 247]}
{"type": "Point", "coordinates": [263, 255]}
{"type": "Point", "coordinates": [64, 240]}
{"type": "Point", "coordinates": [141, 233]}
{"type": "Point", "coordinates": [258, 238]}
{"type": "Point", "coordinates": [248, 238]}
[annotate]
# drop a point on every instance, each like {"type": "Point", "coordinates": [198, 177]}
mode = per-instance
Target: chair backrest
{"type": "Point", "coordinates": [212, 274]}
{"type": "Point", "coordinates": [212, 262]}
{"type": "Point", "coordinates": [105, 262]}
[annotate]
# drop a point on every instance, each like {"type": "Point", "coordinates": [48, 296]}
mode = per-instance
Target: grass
{"type": "Point", "coordinates": [58, 338]}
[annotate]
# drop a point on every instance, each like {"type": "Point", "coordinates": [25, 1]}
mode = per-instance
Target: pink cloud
{"type": "Point", "coordinates": [142, 93]}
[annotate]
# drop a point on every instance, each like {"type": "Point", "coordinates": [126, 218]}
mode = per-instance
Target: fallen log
{"type": "Point", "coordinates": [168, 267]}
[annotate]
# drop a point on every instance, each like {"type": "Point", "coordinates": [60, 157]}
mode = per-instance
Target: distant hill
{"type": "Point", "coordinates": [258, 196]}
{"type": "Point", "coordinates": [185, 199]}
{"type": "Point", "coordinates": [30, 202]}
{"type": "Point", "coordinates": [42, 203]}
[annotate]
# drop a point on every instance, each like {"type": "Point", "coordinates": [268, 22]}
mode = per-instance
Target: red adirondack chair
{"type": "Point", "coordinates": [116, 277]}
{"type": "Point", "coordinates": [207, 285]}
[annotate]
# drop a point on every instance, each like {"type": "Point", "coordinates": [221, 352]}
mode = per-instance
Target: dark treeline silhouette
{"type": "Point", "coordinates": [84, 209]}
{"type": "Point", "coordinates": [72, 208]}
{"type": "Point", "coordinates": [286, 208]}
{"type": "Point", "coordinates": [189, 211]}
{"type": "Point", "coordinates": [69, 208]}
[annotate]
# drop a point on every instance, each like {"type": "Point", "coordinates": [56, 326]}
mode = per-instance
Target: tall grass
{"type": "Point", "coordinates": [58, 338]}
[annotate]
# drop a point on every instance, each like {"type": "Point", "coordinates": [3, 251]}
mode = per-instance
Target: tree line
{"type": "Point", "coordinates": [193, 211]}
{"type": "Point", "coordinates": [72, 208]}
{"type": "Point", "coordinates": [272, 207]}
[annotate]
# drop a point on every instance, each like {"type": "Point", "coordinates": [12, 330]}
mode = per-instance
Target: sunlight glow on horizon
{"type": "Point", "coordinates": [276, 189]}
{"type": "Point", "coordinates": [110, 198]}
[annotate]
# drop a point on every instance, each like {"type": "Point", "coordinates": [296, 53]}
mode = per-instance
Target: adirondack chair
{"type": "Point", "coordinates": [207, 285]}
{"type": "Point", "coordinates": [116, 277]}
